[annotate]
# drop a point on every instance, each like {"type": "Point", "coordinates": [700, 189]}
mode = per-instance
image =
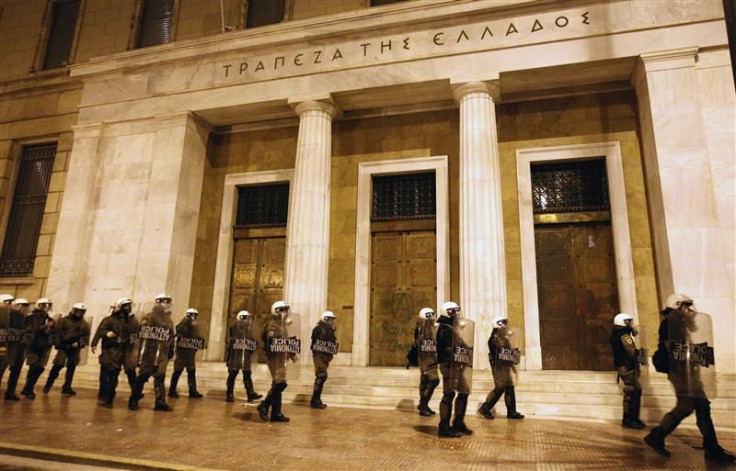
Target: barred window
{"type": "Point", "coordinates": [405, 196]}
{"type": "Point", "coordinates": [61, 33]}
{"type": "Point", "coordinates": [264, 12]}
{"type": "Point", "coordinates": [26, 212]}
{"type": "Point", "coordinates": [570, 187]}
{"type": "Point", "coordinates": [155, 23]}
{"type": "Point", "coordinates": [262, 206]}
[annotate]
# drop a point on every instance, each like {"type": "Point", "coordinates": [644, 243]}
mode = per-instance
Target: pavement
{"type": "Point", "coordinates": [55, 432]}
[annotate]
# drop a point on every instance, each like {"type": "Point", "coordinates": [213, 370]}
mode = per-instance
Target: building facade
{"type": "Point", "coordinates": [553, 162]}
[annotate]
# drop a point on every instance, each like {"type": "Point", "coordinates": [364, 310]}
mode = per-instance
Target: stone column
{"type": "Point", "coordinates": [686, 111]}
{"type": "Point", "coordinates": [482, 263]}
{"type": "Point", "coordinates": [308, 226]}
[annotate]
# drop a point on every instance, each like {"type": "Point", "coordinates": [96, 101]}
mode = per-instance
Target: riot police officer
{"type": "Point", "coordinates": [240, 348]}
{"type": "Point", "coordinates": [16, 348]}
{"type": "Point", "coordinates": [130, 352]}
{"type": "Point", "coordinates": [73, 335]}
{"type": "Point", "coordinates": [156, 340]}
{"type": "Point", "coordinates": [278, 348]}
{"type": "Point", "coordinates": [188, 342]}
{"type": "Point", "coordinates": [324, 347]}
{"type": "Point", "coordinates": [113, 332]}
{"type": "Point", "coordinates": [5, 302]}
{"type": "Point", "coordinates": [455, 367]}
{"type": "Point", "coordinates": [38, 330]}
{"type": "Point", "coordinates": [503, 367]}
{"type": "Point", "coordinates": [625, 359]}
{"type": "Point", "coordinates": [686, 333]}
{"type": "Point", "coordinates": [425, 341]}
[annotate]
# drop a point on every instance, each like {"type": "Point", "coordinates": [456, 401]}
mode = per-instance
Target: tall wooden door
{"type": "Point", "coordinates": [403, 280]}
{"type": "Point", "coordinates": [257, 279]}
{"type": "Point", "coordinates": [578, 298]}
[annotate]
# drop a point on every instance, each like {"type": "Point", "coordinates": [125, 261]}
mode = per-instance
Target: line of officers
{"type": "Point", "coordinates": [143, 348]}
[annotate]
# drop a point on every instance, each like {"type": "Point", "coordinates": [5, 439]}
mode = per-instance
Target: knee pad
{"type": "Point", "coordinates": [322, 375]}
{"type": "Point", "coordinates": [434, 383]}
{"type": "Point", "coordinates": [278, 387]}
{"type": "Point", "coordinates": [629, 389]}
{"type": "Point", "coordinates": [448, 396]}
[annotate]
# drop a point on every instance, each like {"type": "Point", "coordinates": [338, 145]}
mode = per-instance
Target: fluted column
{"type": "Point", "coordinates": [482, 263]}
{"type": "Point", "coordinates": [308, 230]}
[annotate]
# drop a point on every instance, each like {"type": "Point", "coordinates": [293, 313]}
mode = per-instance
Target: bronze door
{"type": "Point", "coordinates": [578, 298]}
{"type": "Point", "coordinates": [403, 280]}
{"type": "Point", "coordinates": [257, 279]}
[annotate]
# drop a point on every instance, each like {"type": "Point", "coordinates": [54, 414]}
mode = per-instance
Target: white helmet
{"type": "Point", "coordinates": [450, 306]}
{"type": "Point", "coordinates": [163, 298]}
{"type": "Point", "coordinates": [621, 318]}
{"type": "Point", "coordinates": [675, 300]}
{"type": "Point", "coordinates": [243, 315]}
{"type": "Point", "coordinates": [328, 315]}
{"type": "Point", "coordinates": [22, 301]}
{"type": "Point", "coordinates": [426, 313]}
{"type": "Point", "coordinates": [43, 301]}
{"type": "Point", "coordinates": [79, 307]}
{"type": "Point", "coordinates": [278, 306]}
{"type": "Point", "coordinates": [191, 312]}
{"type": "Point", "coordinates": [498, 319]}
{"type": "Point", "coordinates": [121, 302]}
{"type": "Point", "coordinates": [6, 298]}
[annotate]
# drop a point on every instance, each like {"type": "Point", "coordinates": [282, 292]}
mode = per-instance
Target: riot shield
{"type": "Point", "coordinates": [155, 336]}
{"type": "Point", "coordinates": [461, 363]}
{"type": "Point", "coordinates": [641, 341]}
{"type": "Point", "coordinates": [286, 344]}
{"type": "Point", "coordinates": [293, 324]}
{"type": "Point", "coordinates": [427, 343]}
{"type": "Point", "coordinates": [692, 360]}
{"type": "Point", "coordinates": [507, 348]}
{"type": "Point", "coordinates": [242, 345]}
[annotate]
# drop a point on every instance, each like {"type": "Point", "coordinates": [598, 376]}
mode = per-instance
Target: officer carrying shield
{"type": "Point", "coordinates": [278, 347]}
{"type": "Point", "coordinates": [503, 356]}
{"type": "Point", "coordinates": [241, 347]}
{"type": "Point", "coordinates": [625, 359]}
{"type": "Point", "coordinates": [455, 356]}
{"type": "Point", "coordinates": [73, 335]}
{"type": "Point", "coordinates": [130, 354]}
{"type": "Point", "coordinates": [115, 337]}
{"type": "Point", "coordinates": [16, 347]}
{"type": "Point", "coordinates": [324, 347]}
{"type": "Point", "coordinates": [425, 340]}
{"type": "Point", "coordinates": [38, 329]}
{"type": "Point", "coordinates": [5, 307]}
{"type": "Point", "coordinates": [188, 342]}
{"type": "Point", "coordinates": [156, 340]}
{"type": "Point", "coordinates": [687, 335]}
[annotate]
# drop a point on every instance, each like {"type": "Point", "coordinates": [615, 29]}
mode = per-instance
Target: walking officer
{"type": "Point", "coordinates": [188, 342]}
{"type": "Point", "coordinates": [114, 335]}
{"type": "Point", "coordinates": [16, 347]}
{"type": "Point", "coordinates": [5, 306]}
{"type": "Point", "coordinates": [626, 361]}
{"type": "Point", "coordinates": [324, 347]}
{"type": "Point", "coordinates": [130, 355]}
{"type": "Point", "coordinates": [455, 356]}
{"type": "Point", "coordinates": [278, 347]}
{"type": "Point", "coordinates": [241, 346]}
{"type": "Point", "coordinates": [38, 329]}
{"type": "Point", "coordinates": [503, 355]}
{"type": "Point", "coordinates": [156, 340]}
{"type": "Point", "coordinates": [425, 340]}
{"type": "Point", "coordinates": [73, 335]}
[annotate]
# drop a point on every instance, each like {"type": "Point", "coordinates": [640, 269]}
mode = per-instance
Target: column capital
{"type": "Point", "coordinates": [492, 88]}
{"type": "Point", "coordinates": [326, 106]}
{"type": "Point", "coordinates": [663, 60]}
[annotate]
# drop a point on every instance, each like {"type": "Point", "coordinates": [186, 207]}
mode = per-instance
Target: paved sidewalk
{"type": "Point", "coordinates": [214, 435]}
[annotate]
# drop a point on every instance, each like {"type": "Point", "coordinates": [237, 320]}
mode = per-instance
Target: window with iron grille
{"type": "Point", "coordinates": [264, 12]}
{"type": "Point", "coordinates": [26, 212]}
{"type": "Point", "coordinates": [155, 24]}
{"type": "Point", "coordinates": [570, 187]}
{"type": "Point", "coordinates": [405, 196]}
{"type": "Point", "coordinates": [262, 206]}
{"type": "Point", "coordinates": [61, 33]}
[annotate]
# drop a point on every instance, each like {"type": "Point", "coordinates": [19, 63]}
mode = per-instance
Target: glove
{"type": "Point", "coordinates": [111, 335]}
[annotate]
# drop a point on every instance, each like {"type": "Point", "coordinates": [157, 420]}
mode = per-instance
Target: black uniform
{"type": "Point", "coordinates": [240, 347]}
{"type": "Point", "coordinates": [503, 379]}
{"type": "Point", "coordinates": [73, 335]}
{"type": "Point", "coordinates": [429, 378]}
{"type": "Point", "coordinates": [324, 341]}
{"type": "Point", "coordinates": [445, 341]}
{"type": "Point", "coordinates": [113, 352]}
{"type": "Point", "coordinates": [156, 336]}
{"type": "Point", "coordinates": [15, 353]}
{"type": "Point", "coordinates": [130, 356]}
{"type": "Point", "coordinates": [38, 330]}
{"type": "Point", "coordinates": [187, 344]}
{"type": "Point", "coordinates": [627, 367]}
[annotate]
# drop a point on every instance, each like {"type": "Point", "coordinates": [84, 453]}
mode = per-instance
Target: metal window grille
{"type": "Point", "coordinates": [155, 22]}
{"type": "Point", "coordinates": [262, 206]}
{"type": "Point", "coordinates": [264, 12]}
{"type": "Point", "coordinates": [26, 213]}
{"type": "Point", "coordinates": [407, 196]}
{"type": "Point", "coordinates": [61, 34]}
{"type": "Point", "coordinates": [570, 187]}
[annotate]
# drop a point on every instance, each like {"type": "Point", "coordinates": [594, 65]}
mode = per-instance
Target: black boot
{"type": "Point", "coordinates": [630, 412]}
{"type": "Point", "coordinates": [461, 405]}
{"type": "Point", "coordinates": [66, 389]}
{"type": "Point", "coordinates": [510, 400]}
{"type": "Point", "coordinates": [136, 393]}
{"type": "Point", "coordinates": [229, 394]}
{"type": "Point", "coordinates": [192, 380]}
{"type": "Point", "coordinates": [276, 415]}
{"type": "Point", "coordinates": [486, 410]}
{"type": "Point", "coordinates": [265, 404]}
{"type": "Point", "coordinates": [316, 402]}
{"type": "Point", "coordinates": [174, 382]}
{"type": "Point", "coordinates": [12, 384]}
{"type": "Point", "coordinates": [34, 372]}
{"type": "Point", "coordinates": [444, 429]}
{"type": "Point", "coordinates": [719, 454]}
{"type": "Point", "coordinates": [655, 440]}
{"type": "Point", "coordinates": [423, 380]}
{"type": "Point", "coordinates": [160, 390]}
{"type": "Point", "coordinates": [53, 374]}
{"type": "Point", "coordinates": [131, 376]}
{"type": "Point", "coordinates": [250, 391]}
{"type": "Point", "coordinates": [102, 391]}
{"type": "Point", "coordinates": [636, 410]}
